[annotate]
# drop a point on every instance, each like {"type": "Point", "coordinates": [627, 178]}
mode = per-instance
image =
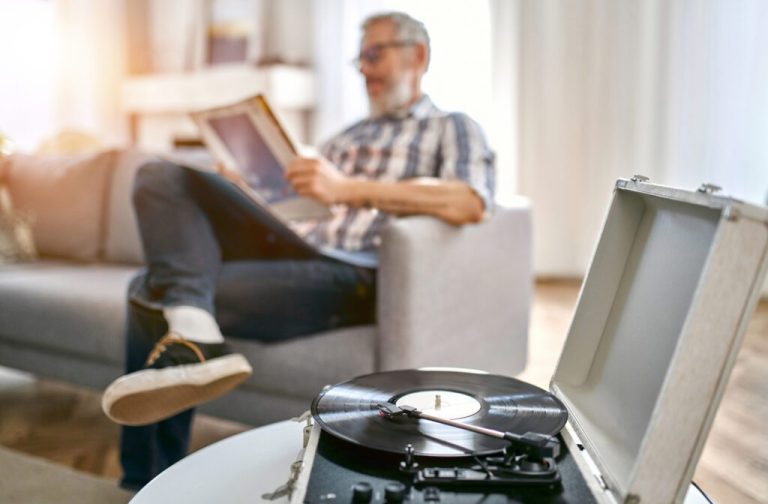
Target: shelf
{"type": "Point", "coordinates": [287, 87]}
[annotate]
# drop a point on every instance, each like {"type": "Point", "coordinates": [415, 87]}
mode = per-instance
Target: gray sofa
{"type": "Point", "coordinates": [447, 296]}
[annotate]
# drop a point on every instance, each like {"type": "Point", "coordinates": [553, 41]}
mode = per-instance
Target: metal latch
{"type": "Point", "coordinates": [707, 188]}
{"type": "Point", "coordinates": [639, 178]}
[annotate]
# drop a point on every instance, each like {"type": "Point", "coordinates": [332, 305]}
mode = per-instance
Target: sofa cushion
{"type": "Point", "coordinates": [72, 308]}
{"type": "Point", "coordinates": [65, 198]}
{"type": "Point", "coordinates": [122, 243]}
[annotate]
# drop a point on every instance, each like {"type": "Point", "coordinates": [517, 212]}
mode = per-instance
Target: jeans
{"type": "Point", "coordinates": [207, 245]}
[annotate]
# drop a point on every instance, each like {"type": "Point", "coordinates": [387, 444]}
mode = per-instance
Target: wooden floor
{"type": "Point", "coordinates": [65, 424]}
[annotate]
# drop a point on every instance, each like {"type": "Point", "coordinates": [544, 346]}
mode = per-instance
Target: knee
{"type": "Point", "coordinates": [156, 177]}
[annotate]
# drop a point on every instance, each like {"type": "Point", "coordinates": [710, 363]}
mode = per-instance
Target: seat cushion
{"type": "Point", "coordinates": [73, 308]}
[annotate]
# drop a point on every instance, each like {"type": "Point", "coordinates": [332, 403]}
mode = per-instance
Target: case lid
{"type": "Point", "coordinates": [659, 320]}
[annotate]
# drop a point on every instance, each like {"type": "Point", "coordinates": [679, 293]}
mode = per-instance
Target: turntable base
{"type": "Point", "coordinates": [241, 468]}
{"type": "Point", "coordinates": [338, 467]}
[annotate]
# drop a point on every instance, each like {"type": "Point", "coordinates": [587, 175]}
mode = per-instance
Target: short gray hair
{"type": "Point", "coordinates": [406, 28]}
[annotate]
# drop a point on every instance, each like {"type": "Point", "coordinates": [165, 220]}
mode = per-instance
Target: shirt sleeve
{"type": "Point", "coordinates": [466, 156]}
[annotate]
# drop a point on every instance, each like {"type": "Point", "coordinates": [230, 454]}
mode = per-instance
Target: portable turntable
{"type": "Point", "coordinates": [659, 321]}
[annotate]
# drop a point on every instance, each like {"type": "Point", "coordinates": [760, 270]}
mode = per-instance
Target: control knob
{"type": "Point", "coordinates": [362, 492]}
{"type": "Point", "coordinates": [394, 492]}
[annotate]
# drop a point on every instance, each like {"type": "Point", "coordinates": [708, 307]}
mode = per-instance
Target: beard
{"type": "Point", "coordinates": [392, 100]}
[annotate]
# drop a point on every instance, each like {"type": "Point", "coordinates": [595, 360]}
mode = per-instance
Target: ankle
{"type": "Point", "coordinates": [193, 323]}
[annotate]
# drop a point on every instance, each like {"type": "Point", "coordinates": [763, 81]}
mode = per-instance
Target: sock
{"type": "Point", "coordinates": [193, 323]}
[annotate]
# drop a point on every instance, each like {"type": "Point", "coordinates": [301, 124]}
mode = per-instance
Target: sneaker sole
{"type": "Point", "coordinates": [151, 395]}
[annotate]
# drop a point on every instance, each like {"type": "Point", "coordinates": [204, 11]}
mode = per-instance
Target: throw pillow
{"type": "Point", "coordinates": [65, 198]}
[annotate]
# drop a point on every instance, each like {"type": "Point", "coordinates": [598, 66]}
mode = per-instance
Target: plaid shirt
{"type": "Point", "coordinates": [423, 142]}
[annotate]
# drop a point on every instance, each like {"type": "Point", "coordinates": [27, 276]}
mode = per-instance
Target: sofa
{"type": "Point", "coordinates": [447, 296]}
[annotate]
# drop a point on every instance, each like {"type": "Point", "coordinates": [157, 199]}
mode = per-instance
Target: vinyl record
{"type": "Point", "coordinates": [350, 411]}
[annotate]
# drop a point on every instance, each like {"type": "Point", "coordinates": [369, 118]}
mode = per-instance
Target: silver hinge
{"type": "Point", "coordinates": [639, 178]}
{"type": "Point", "coordinates": [585, 456]}
{"type": "Point", "coordinates": [731, 213]}
{"type": "Point", "coordinates": [601, 481]}
{"type": "Point", "coordinates": [305, 417]}
{"type": "Point", "coordinates": [707, 188]}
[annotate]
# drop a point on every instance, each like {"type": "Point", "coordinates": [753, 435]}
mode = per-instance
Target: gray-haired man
{"type": "Point", "coordinates": [212, 267]}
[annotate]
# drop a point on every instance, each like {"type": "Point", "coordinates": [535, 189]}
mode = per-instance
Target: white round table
{"type": "Point", "coordinates": [241, 468]}
{"type": "Point", "coordinates": [237, 469]}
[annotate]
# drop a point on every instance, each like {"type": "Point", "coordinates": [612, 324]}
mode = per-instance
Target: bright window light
{"type": "Point", "coordinates": [28, 69]}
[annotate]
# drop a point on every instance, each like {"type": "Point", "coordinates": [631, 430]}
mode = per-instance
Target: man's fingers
{"type": "Point", "coordinates": [302, 166]}
{"type": "Point", "coordinates": [307, 190]}
{"type": "Point", "coordinates": [300, 179]}
{"type": "Point", "coordinates": [303, 184]}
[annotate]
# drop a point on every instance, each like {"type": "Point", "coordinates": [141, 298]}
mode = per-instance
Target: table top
{"type": "Point", "coordinates": [237, 469]}
{"type": "Point", "coordinates": [241, 468]}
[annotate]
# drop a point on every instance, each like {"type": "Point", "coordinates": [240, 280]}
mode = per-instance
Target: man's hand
{"type": "Point", "coordinates": [317, 178]}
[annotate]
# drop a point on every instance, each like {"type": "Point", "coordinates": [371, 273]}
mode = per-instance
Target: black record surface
{"type": "Point", "coordinates": [350, 411]}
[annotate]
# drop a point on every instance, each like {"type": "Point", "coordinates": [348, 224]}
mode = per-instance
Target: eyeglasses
{"type": "Point", "coordinates": [372, 54]}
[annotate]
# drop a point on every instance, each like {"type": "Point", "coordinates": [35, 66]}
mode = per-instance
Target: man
{"type": "Point", "coordinates": [213, 265]}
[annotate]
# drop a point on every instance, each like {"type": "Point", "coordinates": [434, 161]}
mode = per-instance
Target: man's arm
{"type": "Point", "coordinates": [453, 201]}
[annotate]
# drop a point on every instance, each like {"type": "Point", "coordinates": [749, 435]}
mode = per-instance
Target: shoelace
{"type": "Point", "coordinates": [172, 339]}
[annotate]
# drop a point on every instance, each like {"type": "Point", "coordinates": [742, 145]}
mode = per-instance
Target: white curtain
{"type": "Point", "coordinates": [341, 95]}
{"type": "Point", "coordinates": [677, 91]}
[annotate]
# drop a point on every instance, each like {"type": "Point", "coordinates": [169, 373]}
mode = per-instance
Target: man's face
{"type": "Point", "coordinates": [390, 70]}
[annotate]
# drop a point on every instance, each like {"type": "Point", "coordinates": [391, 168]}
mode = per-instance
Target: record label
{"type": "Point", "coordinates": [442, 403]}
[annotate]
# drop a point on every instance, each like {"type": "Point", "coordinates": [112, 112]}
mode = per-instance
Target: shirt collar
{"type": "Point", "coordinates": [421, 109]}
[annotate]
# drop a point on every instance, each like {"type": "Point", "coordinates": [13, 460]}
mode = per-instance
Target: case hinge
{"type": "Point", "coordinates": [601, 481]}
{"type": "Point", "coordinates": [584, 455]}
{"type": "Point", "coordinates": [639, 178]}
{"type": "Point", "coordinates": [731, 213]}
{"type": "Point", "coordinates": [708, 188]}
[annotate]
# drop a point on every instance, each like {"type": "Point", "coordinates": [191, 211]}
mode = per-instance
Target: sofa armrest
{"type": "Point", "coordinates": [456, 296]}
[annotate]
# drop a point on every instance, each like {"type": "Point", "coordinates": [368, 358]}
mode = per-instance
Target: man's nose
{"type": "Point", "coordinates": [365, 68]}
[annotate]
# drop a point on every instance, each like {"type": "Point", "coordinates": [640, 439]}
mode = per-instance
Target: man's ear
{"type": "Point", "coordinates": [420, 56]}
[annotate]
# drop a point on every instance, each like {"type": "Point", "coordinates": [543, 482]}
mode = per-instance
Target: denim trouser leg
{"type": "Point", "coordinates": [147, 450]}
{"type": "Point", "coordinates": [206, 246]}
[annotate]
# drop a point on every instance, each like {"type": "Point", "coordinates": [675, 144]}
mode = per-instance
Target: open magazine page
{"type": "Point", "coordinates": [254, 160]}
{"type": "Point", "coordinates": [247, 137]}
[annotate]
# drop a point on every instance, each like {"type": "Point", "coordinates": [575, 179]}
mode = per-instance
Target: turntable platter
{"type": "Point", "coordinates": [350, 411]}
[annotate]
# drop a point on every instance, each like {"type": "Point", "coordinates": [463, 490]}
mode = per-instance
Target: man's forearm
{"type": "Point", "coordinates": [452, 201]}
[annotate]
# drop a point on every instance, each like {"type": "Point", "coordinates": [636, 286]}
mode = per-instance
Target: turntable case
{"type": "Point", "coordinates": [660, 318]}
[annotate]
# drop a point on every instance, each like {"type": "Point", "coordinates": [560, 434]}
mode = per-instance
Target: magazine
{"type": "Point", "coordinates": [248, 138]}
